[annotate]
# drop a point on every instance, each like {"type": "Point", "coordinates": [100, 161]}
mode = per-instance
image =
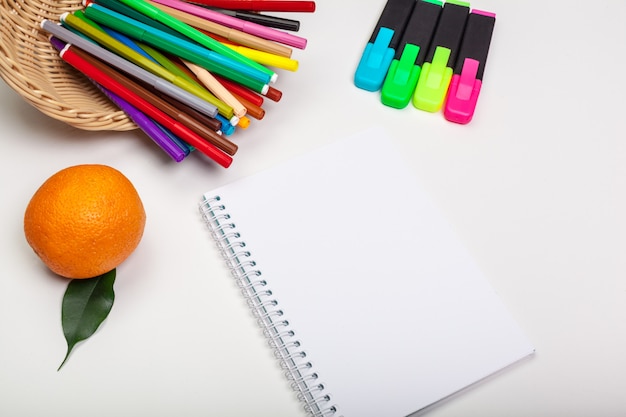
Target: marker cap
{"type": "Point", "coordinates": [463, 95]}
{"type": "Point", "coordinates": [375, 62]}
{"type": "Point", "coordinates": [401, 79]}
{"type": "Point", "coordinates": [433, 83]}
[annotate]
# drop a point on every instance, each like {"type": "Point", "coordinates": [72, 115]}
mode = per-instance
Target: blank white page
{"type": "Point", "coordinates": [389, 308]}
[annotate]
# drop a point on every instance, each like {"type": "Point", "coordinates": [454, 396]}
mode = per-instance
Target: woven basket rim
{"type": "Point", "coordinates": [32, 67]}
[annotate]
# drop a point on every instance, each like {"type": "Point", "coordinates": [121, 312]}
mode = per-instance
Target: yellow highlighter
{"type": "Point", "coordinates": [266, 58]}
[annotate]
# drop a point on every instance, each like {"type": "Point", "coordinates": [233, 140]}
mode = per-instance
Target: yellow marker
{"type": "Point", "coordinates": [266, 58]}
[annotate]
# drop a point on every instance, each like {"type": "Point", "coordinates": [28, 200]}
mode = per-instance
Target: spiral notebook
{"type": "Point", "coordinates": [371, 303]}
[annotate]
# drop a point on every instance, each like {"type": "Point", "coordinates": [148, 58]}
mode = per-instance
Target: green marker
{"type": "Point", "coordinates": [405, 69]}
{"type": "Point", "coordinates": [159, 15]}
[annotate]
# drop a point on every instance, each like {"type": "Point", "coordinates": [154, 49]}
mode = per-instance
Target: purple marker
{"type": "Point", "coordinates": [145, 123]}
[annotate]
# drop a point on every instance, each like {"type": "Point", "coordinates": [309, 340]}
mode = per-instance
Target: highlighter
{"type": "Point", "coordinates": [406, 67]}
{"type": "Point", "coordinates": [470, 66]}
{"type": "Point", "coordinates": [434, 80]}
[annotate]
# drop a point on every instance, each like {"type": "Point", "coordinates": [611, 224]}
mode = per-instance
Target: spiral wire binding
{"type": "Point", "coordinates": [281, 337]}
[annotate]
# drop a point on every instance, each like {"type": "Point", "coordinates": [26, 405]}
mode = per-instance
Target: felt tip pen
{"type": "Point", "coordinates": [143, 122]}
{"type": "Point", "coordinates": [217, 88]}
{"type": "Point", "coordinates": [121, 8]}
{"type": "Point", "coordinates": [381, 47]}
{"type": "Point", "coordinates": [165, 62]}
{"type": "Point", "coordinates": [235, 23]}
{"type": "Point", "coordinates": [275, 22]}
{"type": "Point", "coordinates": [434, 80]}
{"type": "Point", "coordinates": [241, 91]}
{"type": "Point", "coordinates": [211, 123]}
{"type": "Point", "coordinates": [470, 66]}
{"type": "Point", "coordinates": [189, 31]}
{"type": "Point", "coordinates": [253, 110]}
{"type": "Point", "coordinates": [225, 34]}
{"type": "Point", "coordinates": [227, 128]}
{"type": "Point", "coordinates": [263, 5]}
{"type": "Point", "coordinates": [189, 50]}
{"type": "Point", "coordinates": [124, 51]}
{"type": "Point", "coordinates": [69, 55]}
{"type": "Point", "coordinates": [267, 58]}
{"type": "Point", "coordinates": [176, 113]}
{"type": "Point", "coordinates": [148, 126]}
{"type": "Point", "coordinates": [208, 27]}
{"type": "Point", "coordinates": [123, 39]}
{"type": "Point", "coordinates": [406, 66]}
{"type": "Point", "coordinates": [166, 86]}
{"type": "Point", "coordinates": [274, 94]}
{"type": "Point", "coordinates": [244, 123]}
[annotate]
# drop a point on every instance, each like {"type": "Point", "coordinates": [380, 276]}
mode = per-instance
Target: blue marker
{"type": "Point", "coordinates": [381, 48]}
{"type": "Point", "coordinates": [184, 146]}
{"type": "Point", "coordinates": [227, 127]}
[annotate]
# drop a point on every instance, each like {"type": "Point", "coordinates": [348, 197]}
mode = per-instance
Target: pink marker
{"type": "Point", "coordinates": [235, 23]}
{"type": "Point", "coordinates": [468, 72]}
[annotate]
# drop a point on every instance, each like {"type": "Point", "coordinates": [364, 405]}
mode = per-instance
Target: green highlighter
{"type": "Point", "coordinates": [434, 80]}
{"type": "Point", "coordinates": [406, 67]}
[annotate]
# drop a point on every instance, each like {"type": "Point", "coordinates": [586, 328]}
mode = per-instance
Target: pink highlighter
{"type": "Point", "coordinates": [470, 65]}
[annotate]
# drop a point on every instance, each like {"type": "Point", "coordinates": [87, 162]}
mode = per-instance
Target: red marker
{"type": "Point", "coordinates": [180, 130]}
{"type": "Point", "coordinates": [262, 5]}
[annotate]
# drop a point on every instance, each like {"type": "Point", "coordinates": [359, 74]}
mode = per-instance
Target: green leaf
{"type": "Point", "coordinates": [86, 303]}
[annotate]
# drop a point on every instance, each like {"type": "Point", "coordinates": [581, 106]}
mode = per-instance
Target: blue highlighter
{"type": "Point", "coordinates": [381, 48]}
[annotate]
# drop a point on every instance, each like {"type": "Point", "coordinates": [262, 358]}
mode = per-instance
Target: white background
{"type": "Point", "coordinates": [535, 186]}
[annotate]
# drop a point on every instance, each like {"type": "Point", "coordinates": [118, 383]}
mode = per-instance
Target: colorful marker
{"type": "Point", "coordinates": [433, 83]}
{"type": "Point", "coordinates": [209, 28]}
{"type": "Point", "coordinates": [266, 58]}
{"type": "Point", "coordinates": [261, 19]}
{"type": "Point", "coordinates": [263, 5]}
{"type": "Point", "coordinates": [185, 147]}
{"type": "Point", "coordinates": [194, 34]}
{"type": "Point", "coordinates": [121, 8]}
{"type": "Point", "coordinates": [217, 88]}
{"type": "Point", "coordinates": [171, 86]}
{"type": "Point", "coordinates": [405, 69]}
{"type": "Point", "coordinates": [235, 23]}
{"type": "Point", "coordinates": [468, 71]}
{"type": "Point", "coordinates": [75, 58]}
{"type": "Point", "coordinates": [189, 50]}
{"type": "Point", "coordinates": [381, 48]}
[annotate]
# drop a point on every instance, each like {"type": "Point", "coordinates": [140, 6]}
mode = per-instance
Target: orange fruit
{"type": "Point", "coordinates": [84, 220]}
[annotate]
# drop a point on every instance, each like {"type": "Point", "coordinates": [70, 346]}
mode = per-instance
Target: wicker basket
{"type": "Point", "coordinates": [32, 67]}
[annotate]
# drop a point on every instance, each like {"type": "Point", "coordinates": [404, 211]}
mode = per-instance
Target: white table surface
{"type": "Point", "coordinates": [535, 186]}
